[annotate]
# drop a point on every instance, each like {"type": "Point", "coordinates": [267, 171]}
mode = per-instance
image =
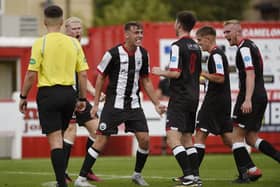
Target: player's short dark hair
{"type": "Point", "coordinates": [130, 24]}
{"type": "Point", "coordinates": [186, 19]}
{"type": "Point", "coordinates": [53, 11]}
{"type": "Point", "coordinates": [206, 30]}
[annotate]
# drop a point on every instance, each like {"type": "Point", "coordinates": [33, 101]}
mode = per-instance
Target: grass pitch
{"type": "Point", "coordinates": [216, 171]}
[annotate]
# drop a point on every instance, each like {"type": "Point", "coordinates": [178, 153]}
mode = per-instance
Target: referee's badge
{"type": "Point", "coordinates": [102, 126]}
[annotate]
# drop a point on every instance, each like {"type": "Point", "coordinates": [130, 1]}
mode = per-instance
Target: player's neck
{"type": "Point", "coordinates": [53, 29]}
{"type": "Point", "coordinates": [182, 34]}
{"type": "Point", "coordinates": [129, 47]}
{"type": "Point", "coordinates": [212, 46]}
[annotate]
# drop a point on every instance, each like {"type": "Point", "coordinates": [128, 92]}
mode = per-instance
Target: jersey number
{"type": "Point", "coordinates": [192, 62]}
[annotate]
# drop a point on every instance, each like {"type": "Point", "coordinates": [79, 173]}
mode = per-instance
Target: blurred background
{"type": "Point", "coordinates": [25, 17]}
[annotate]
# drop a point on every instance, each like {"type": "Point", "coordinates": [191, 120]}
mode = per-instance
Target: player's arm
{"type": "Point", "coordinates": [217, 78]}
{"type": "Point", "coordinates": [175, 64]}
{"type": "Point", "coordinates": [250, 79]}
{"type": "Point", "coordinates": [149, 89]}
{"type": "Point", "coordinates": [103, 69]}
{"type": "Point", "coordinates": [217, 67]}
{"type": "Point", "coordinates": [98, 89]}
{"type": "Point", "coordinates": [91, 90]}
{"type": "Point", "coordinates": [166, 73]}
{"type": "Point", "coordinates": [250, 84]}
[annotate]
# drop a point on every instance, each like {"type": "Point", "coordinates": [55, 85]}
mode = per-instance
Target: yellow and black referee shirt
{"type": "Point", "coordinates": [56, 57]}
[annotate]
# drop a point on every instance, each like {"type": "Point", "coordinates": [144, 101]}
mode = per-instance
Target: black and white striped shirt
{"type": "Point", "coordinates": [124, 69]}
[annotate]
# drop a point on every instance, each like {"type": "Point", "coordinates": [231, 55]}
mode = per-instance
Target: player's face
{"type": "Point", "coordinates": [203, 42]}
{"type": "Point", "coordinates": [230, 33]}
{"type": "Point", "coordinates": [135, 36]}
{"type": "Point", "coordinates": [74, 29]}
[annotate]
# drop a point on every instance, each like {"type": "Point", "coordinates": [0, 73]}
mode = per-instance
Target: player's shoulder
{"type": "Point", "coordinates": [114, 50]}
{"type": "Point", "coordinates": [143, 50]}
{"type": "Point", "coordinates": [218, 51]}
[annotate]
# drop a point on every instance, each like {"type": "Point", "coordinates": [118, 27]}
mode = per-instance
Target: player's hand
{"type": "Point", "coordinates": [246, 107]}
{"type": "Point", "coordinates": [22, 105]}
{"type": "Point", "coordinates": [102, 97]}
{"type": "Point", "coordinates": [160, 109]}
{"type": "Point", "coordinates": [156, 71]}
{"type": "Point", "coordinates": [80, 106]}
{"type": "Point", "coordinates": [93, 111]}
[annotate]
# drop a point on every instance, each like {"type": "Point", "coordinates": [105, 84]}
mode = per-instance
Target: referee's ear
{"type": "Point", "coordinates": [61, 22]}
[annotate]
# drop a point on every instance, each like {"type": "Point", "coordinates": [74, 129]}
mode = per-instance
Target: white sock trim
{"type": "Point", "coordinates": [93, 153]}
{"type": "Point", "coordinates": [238, 145]}
{"type": "Point", "coordinates": [143, 151]}
{"type": "Point", "coordinates": [68, 141]}
{"type": "Point", "coordinates": [258, 142]}
{"type": "Point", "coordinates": [253, 169]}
{"type": "Point", "coordinates": [199, 145]}
{"type": "Point", "coordinates": [136, 173]}
{"type": "Point", "coordinates": [178, 150]}
{"type": "Point", "coordinates": [91, 138]}
{"type": "Point", "coordinates": [191, 151]}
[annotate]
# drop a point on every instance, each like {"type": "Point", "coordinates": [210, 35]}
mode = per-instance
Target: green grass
{"type": "Point", "coordinates": [216, 171]}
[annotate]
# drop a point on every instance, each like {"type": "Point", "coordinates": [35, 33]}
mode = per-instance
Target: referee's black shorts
{"type": "Point", "coordinates": [56, 105]}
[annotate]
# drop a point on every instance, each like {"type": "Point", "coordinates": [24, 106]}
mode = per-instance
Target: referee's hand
{"type": "Point", "coordinates": [80, 106]}
{"type": "Point", "coordinates": [22, 105]}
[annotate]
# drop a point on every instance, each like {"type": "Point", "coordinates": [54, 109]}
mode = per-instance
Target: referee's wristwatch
{"type": "Point", "coordinates": [22, 97]}
{"type": "Point", "coordinates": [82, 99]}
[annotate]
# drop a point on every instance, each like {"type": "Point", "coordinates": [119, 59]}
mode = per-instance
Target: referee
{"type": "Point", "coordinates": [55, 57]}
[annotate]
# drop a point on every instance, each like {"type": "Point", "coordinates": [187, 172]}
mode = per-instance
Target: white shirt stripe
{"type": "Point", "coordinates": [138, 64]}
{"type": "Point", "coordinates": [122, 78]}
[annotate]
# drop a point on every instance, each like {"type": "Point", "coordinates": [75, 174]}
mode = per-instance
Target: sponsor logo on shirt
{"type": "Point", "coordinates": [32, 61]}
{"type": "Point", "coordinates": [173, 59]}
{"type": "Point", "coordinates": [219, 66]}
{"type": "Point", "coordinates": [247, 58]}
{"type": "Point", "coordinates": [247, 61]}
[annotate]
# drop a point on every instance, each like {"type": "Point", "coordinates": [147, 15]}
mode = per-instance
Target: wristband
{"type": "Point", "coordinates": [22, 97]}
{"type": "Point", "coordinates": [82, 99]}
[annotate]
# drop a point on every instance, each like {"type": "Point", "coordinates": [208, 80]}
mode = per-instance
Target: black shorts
{"type": "Point", "coordinates": [214, 116]}
{"type": "Point", "coordinates": [84, 116]}
{"type": "Point", "coordinates": [56, 105]}
{"type": "Point", "coordinates": [180, 118]}
{"type": "Point", "coordinates": [253, 120]}
{"type": "Point", "coordinates": [111, 118]}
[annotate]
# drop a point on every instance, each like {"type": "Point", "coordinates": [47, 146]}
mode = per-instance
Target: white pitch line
{"type": "Point", "coordinates": [108, 177]}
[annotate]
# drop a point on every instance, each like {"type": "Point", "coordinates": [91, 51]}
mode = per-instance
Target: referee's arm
{"type": "Point", "coordinates": [82, 76]}
{"type": "Point", "coordinates": [30, 78]}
